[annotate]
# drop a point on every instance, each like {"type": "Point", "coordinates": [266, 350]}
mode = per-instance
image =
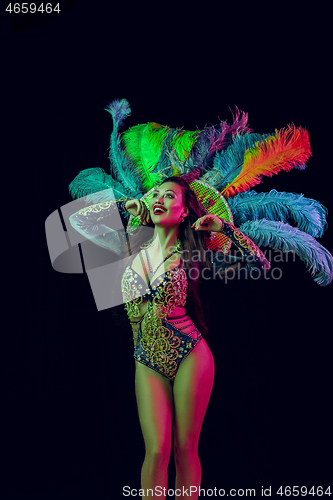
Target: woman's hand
{"type": "Point", "coordinates": [138, 209]}
{"type": "Point", "coordinates": [208, 222]}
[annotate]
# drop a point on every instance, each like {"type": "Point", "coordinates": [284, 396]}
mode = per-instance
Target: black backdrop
{"type": "Point", "coordinates": [72, 429]}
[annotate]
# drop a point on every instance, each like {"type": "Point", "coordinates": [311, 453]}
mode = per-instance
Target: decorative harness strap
{"type": "Point", "coordinates": [151, 270]}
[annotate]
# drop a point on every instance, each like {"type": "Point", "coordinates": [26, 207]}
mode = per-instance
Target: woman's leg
{"type": "Point", "coordinates": [192, 388]}
{"type": "Point", "coordinates": [155, 406]}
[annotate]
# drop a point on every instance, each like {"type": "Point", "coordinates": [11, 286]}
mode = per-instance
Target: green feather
{"type": "Point", "coordinates": [183, 142]}
{"type": "Point", "coordinates": [144, 143]}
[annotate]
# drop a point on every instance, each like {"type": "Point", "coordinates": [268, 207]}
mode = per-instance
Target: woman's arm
{"type": "Point", "coordinates": [251, 253]}
{"type": "Point", "coordinates": [102, 224]}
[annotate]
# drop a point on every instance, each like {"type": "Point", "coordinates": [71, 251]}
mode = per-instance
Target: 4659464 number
{"type": "Point", "coordinates": [303, 491]}
{"type": "Point", "coordinates": [31, 8]}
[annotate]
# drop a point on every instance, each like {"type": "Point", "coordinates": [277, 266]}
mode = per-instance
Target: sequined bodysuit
{"type": "Point", "coordinates": [161, 342]}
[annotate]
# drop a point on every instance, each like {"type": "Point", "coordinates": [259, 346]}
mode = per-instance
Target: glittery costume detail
{"type": "Point", "coordinates": [167, 291]}
{"type": "Point", "coordinates": [160, 345]}
{"type": "Point", "coordinates": [89, 221]}
{"type": "Point", "coordinates": [252, 254]}
{"type": "Point", "coordinates": [101, 206]}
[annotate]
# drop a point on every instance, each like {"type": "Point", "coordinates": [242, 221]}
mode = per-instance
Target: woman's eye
{"type": "Point", "coordinates": [168, 194]}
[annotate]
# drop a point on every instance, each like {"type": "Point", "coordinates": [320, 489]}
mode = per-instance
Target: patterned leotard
{"type": "Point", "coordinates": [160, 345]}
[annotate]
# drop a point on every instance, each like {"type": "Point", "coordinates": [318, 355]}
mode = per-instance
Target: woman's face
{"type": "Point", "coordinates": [166, 206]}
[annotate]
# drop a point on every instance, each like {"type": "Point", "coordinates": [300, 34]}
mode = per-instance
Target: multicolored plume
{"type": "Point", "coordinates": [285, 150]}
{"type": "Point", "coordinates": [220, 161]}
{"type": "Point", "coordinates": [228, 164]}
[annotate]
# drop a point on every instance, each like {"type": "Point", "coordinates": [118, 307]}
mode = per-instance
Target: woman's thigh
{"type": "Point", "coordinates": [155, 406]}
{"type": "Point", "coordinates": [192, 389]}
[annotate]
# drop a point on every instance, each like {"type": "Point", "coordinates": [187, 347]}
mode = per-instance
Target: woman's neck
{"type": "Point", "coordinates": [165, 238]}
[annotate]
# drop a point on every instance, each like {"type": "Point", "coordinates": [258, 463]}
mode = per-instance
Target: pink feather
{"type": "Point", "coordinates": [239, 124]}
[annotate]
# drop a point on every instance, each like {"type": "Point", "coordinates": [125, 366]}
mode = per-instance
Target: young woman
{"type": "Point", "coordinates": [174, 365]}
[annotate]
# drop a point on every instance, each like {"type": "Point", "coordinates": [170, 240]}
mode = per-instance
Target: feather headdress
{"type": "Point", "coordinates": [282, 236]}
{"type": "Point", "coordinates": [308, 214]}
{"type": "Point", "coordinates": [285, 150]}
{"type": "Point", "coordinates": [122, 169]}
{"type": "Point", "coordinates": [144, 144]}
{"type": "Point", "coordinates": [230, 162]}
{"type": "Point", "coordinates": [221, 163]}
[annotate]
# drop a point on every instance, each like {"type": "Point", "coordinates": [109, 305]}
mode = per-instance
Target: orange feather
{"type": "Point", "coordinates": [285, 150]}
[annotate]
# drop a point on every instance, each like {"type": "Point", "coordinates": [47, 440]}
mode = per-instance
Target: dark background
{"type": "Point", "coordinates": [71, 428]}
